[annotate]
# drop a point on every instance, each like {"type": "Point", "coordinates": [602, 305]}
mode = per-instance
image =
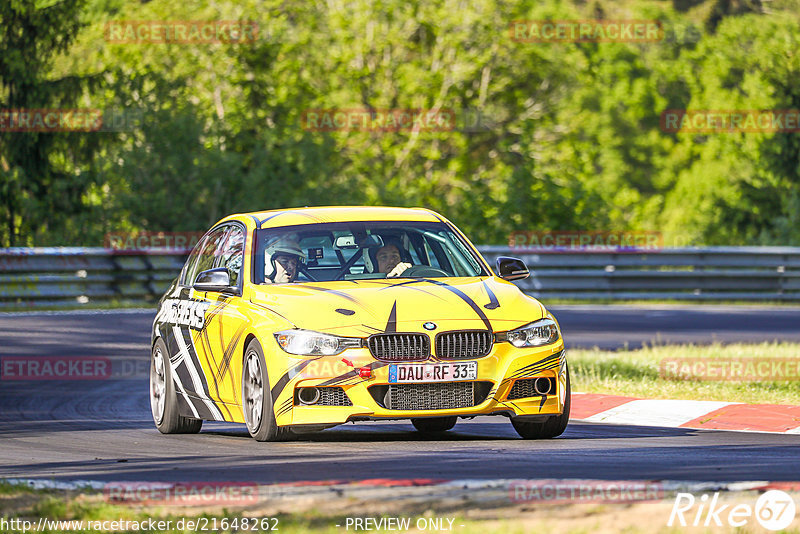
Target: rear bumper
{"type": "Point", "coordinates": [497, 374]}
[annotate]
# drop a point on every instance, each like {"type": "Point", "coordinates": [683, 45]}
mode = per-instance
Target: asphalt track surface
{"type": "Point", "coordinates": [102, 430]}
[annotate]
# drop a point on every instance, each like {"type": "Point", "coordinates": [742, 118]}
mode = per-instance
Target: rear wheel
{"type": "Point", "coordinates": [257, 406]}
{"type": "Point", "coordinates": [554, 426]}
{"type": "Point", "coordinates": [163, 399]}
{"type": "Point", "coordinates": [434, 424]}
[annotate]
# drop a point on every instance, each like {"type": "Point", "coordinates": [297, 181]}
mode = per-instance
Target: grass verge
{"type": "Point", "coordinates": [641, 373]}
{"type": "Point", "coordinates": [470, 512]}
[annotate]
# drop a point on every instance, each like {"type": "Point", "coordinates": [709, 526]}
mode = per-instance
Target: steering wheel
{"type": "Point", "coordinates": [421, 271]}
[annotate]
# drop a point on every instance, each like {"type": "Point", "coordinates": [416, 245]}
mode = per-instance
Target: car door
{"type": "Point", "coordinates": [220, 340]}
{"type": "Point", "coordinates": [183, 317]}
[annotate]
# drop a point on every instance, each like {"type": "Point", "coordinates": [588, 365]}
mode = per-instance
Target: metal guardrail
{"type": "Point", "coordinates": [54, 277]}
{"type": "Point", "coordinates": [714, 273]}
{"type": "Point", "coordinates": [61, 276]}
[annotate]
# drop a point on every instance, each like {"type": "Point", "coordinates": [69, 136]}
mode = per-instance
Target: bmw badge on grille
{"type": "Point", "coordinates": [429, 326]}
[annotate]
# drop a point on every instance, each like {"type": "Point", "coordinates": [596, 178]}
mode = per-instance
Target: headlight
{"type": "Point", "coordinates": [542, 332]}
{"type": "Point", "coordinates": [308, 343]}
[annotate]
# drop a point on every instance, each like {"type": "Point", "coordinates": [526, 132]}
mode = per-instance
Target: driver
{"type": "Point", "coordinates": [390, 260]}
{"type": "Point", "coordinates": [281, 258]}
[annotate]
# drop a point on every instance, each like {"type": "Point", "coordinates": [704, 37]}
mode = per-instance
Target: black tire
{"type": "Point", "coordinates": [163, 399]}
{"type": "Point", "coordinates": [257, 405]}
{"type": "Point", "coordinates": [434, 424]}
{"type": "Point", "coordinates": [554, 426]}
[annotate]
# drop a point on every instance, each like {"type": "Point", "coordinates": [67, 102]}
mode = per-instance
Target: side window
{"type": "Point", "coordinates": [432, 258]}
{"type": "Point", "coordinates": [206, 255]}
{"type": "Point", "coordinates": [190, 269]}
{"type": "Point", "coordinates": [414, 257]}
{"type": "Point", "coordinates": [438, 256]}
{"type": "Point", "coordinates": [231, 255]}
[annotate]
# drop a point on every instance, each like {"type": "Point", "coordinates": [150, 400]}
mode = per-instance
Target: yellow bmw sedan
{"type": "Point", "coordinates": [296, 320]}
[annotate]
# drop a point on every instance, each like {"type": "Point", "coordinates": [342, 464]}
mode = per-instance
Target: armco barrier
{"type": "Point", "coordinates": [714, 273]}
{"type": "Point", "coordinates": [53, 277]}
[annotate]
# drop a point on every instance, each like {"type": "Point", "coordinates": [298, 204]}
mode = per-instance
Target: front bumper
{"type": "Point", "coordinates": [496, 376]}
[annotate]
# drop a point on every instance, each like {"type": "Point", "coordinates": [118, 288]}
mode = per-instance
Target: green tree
{"type": "Point", "coordinates": [44, 175]}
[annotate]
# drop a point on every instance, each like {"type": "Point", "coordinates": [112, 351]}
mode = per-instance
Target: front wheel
{"type": "Point", "coordinates": [163, 399]}
{"type": "Point", "coordinates": [257, 405]}
{"type": "Point", "coordinates": [554, 426]}
{"type": "Point", "coordinates": [434, 424]}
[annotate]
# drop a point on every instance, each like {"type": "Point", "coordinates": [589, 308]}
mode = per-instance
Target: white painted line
{"type": "Point", "coordinates": [793, 431]}
{"type": "Point", "coordinates": [40, 484]}
{"type": "Point", "coordinates": [666, 413]}
{"type": "Point", "coordinates": [273, 491]}
{"type": "Point", "coordinates": [100, 311]}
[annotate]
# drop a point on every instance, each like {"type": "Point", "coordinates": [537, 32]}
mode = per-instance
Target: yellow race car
{"type": "Point", "coordinates": [301, 319]}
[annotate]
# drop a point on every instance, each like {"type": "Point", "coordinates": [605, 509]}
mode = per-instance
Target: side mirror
{"type": "Point", "coordinates": [511, 268]}
{"type": "Point", "coordinates": [213, 280]}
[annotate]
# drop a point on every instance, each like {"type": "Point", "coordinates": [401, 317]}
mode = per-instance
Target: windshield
{"type": "Point", "coordinates": [362, 250]}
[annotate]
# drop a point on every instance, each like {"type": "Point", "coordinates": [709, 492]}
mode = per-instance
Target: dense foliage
{"type": "Point", "coordinates": [547, 136]}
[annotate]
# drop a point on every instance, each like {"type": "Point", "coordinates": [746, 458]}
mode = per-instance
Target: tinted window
{"type": "Point", "coordinates": [206, 253]}
{"type": "Point", "coordinates": [231, 253]}
{"type": "Point", "coordinates": [191, 263]}
{"type": "Point", "coordinates": [348, 251]}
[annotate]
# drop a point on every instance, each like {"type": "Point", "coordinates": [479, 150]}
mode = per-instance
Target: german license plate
{"type": "Point", "coordinates": [432, 372]}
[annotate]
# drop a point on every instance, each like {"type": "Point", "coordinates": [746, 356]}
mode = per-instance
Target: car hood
{"type": "Point", "coordinates": [364, 307]}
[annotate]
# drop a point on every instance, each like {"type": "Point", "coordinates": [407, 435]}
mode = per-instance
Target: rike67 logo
{"type": "Point", "coordinates": [774, 510]}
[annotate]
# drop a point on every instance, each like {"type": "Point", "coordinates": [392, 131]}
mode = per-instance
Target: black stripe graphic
{"type": "Point", "coordinates": [545, 363]}
{"type": "Point", "coordinates": [202, 409]}
{"type": "Point", "coordinates": [352, 374]}
{"type": "Point", "coordinates": [408, 283]}
{"type": "Point", "coordinates": [463, 296]}
{"type": "Point", "coordinates": [183, 406]}
{"type": "Point", "coordinates": [194, 359]}
{"type": "Point", "coordinates": [285, 212]}
{"type": "Point", "coordinates": [391, 324]}
{"type": "Point", "coordinates": [265, 219]}
{"type": "Point", "coordinates": [229, 351]}
{"type": "Point", "coordinates": [284, 380]}
{"type": "Point", "coordinates": [205, 345]}
{"type": "Point", "coordinates": [400, 284]}
{"type": "Point", "coordinates": [334, 291]}
{"type": "Point", "coordinates": [285, 407]}
{"type": "Point", "coordinates": [341, 378]}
